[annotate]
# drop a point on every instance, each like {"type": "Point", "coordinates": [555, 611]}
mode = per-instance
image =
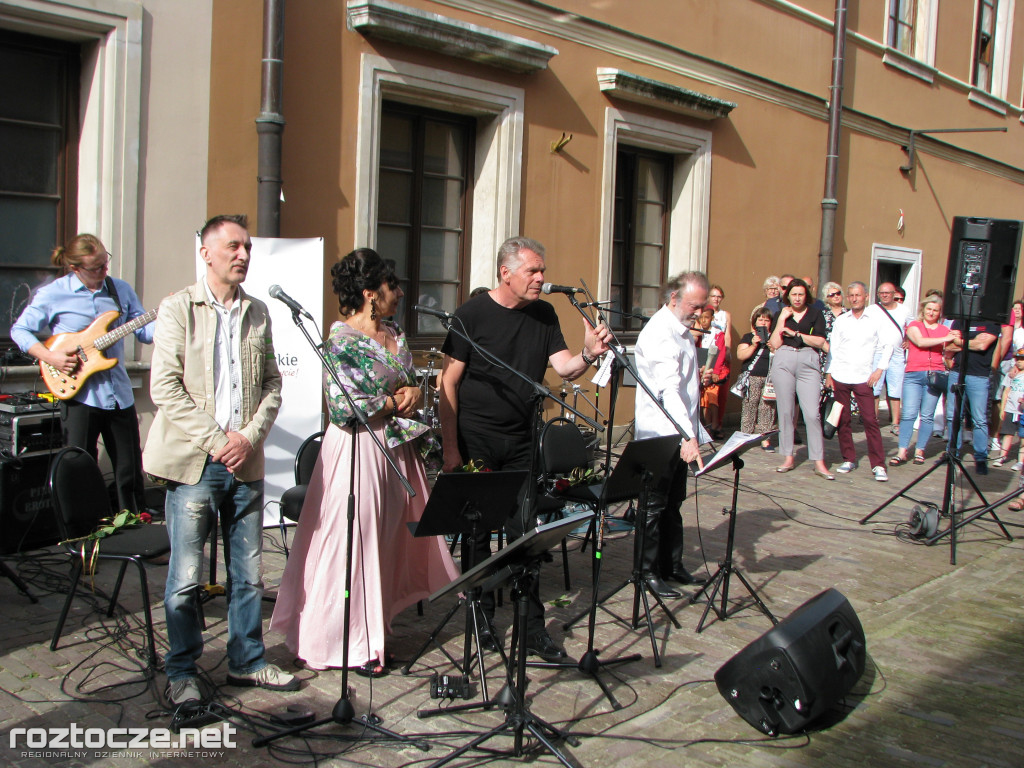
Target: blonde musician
{"type": "Point", "coordinates": [105, 405]}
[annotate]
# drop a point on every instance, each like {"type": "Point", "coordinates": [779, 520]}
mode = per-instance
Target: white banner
{"type": "Point", "coordinates": [298, 267]}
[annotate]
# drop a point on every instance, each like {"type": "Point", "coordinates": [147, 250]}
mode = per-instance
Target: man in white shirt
{"type": "Point", "coordinates": [666, 360]}
{"type": "Point", "coordinates": [859, 353]}
{"type": "Point", "coordinates": [893, 320]}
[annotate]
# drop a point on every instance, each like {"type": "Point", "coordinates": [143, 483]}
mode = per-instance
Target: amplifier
{"type": "Point", "coordinates": [29, 434]}
{"type": "Point", "coordinates": [26, 513]}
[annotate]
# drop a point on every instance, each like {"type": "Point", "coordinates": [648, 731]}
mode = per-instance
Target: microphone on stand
{"type": "Point", "coordinates": [276, 293]}
{"type": "Point", "coordinates": [438, 313]}
{"type": "Point", "coordinates": [569, 290]}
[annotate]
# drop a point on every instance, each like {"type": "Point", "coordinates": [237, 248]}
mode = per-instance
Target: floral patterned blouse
{"type": "Point", "coordinates": [370, 373]}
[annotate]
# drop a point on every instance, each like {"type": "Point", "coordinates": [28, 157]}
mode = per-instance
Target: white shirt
{"type": "Point", "coordinates": [890, 334]}
{"type": "Point", "coordinates": [853, 344]}
{"type": "Point", "coordinates": [666, 360]}
{"type": "Point", "coordinates": [227, 368]}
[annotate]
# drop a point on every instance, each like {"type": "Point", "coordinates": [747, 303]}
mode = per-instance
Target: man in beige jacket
{"type": "Point", "coordinates": [216, 384]}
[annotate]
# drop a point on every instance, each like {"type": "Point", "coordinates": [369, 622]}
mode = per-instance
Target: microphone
{"type": "Point", "coordinates": [440, 314]}
{"type": "Point", "coordinates": [276, 293]}
{"type": "Point", "coordinates": [566, 289]}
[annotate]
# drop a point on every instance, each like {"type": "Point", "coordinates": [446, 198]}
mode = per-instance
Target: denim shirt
{"type": "Point", "coordinates": [67, 306]}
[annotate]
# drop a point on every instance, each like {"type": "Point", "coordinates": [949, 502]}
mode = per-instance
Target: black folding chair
{"type": "Point", "coordinates": [563, 449]}
{"type": "Point", "coordinates": [293, 499]}
{"type": "Point", "coordinates": [80, 502]}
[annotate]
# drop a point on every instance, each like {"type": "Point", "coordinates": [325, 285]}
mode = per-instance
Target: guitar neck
{"type": "Point", "coordinates": [104, 341]}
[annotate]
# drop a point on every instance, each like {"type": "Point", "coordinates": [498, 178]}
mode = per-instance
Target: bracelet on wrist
{"type": "Point", "coordinates": [587, 358]}
{"type": "Point", "coordinates": [394, 405]}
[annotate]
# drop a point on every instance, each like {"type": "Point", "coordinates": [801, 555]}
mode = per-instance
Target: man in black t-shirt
{"type": "Point", "coordinates": [981, 339]}
{"type": "Point", "coordinates": [486, 412]}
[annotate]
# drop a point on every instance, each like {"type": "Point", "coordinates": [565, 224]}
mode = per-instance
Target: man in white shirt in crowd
{"type": "Point", "coordinates": [893, 320]}
{"type": "Point", "coordinates": [666, 360]}
{"type": "Point", "coordinates": [859, 353]}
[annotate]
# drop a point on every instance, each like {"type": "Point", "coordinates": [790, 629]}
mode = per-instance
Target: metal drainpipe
{"type": "Point", "coordinates": [829, 203]}
{"type": "Point", "coordinates": [270, 123]}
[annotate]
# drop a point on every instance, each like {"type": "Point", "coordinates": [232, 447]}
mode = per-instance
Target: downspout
{"type": "Point", "coordinates": [829, 203]}
{"type": "Point", "coordinates": [270, 123]}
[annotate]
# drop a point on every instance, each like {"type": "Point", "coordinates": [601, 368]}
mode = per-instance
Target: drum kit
{"type": "Point", "coordinates": [427, 376]}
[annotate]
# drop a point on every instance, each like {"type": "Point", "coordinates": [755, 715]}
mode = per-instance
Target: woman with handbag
{"type": "Point", "coordinates": [758, 415]}
{"type": "Point", "coordinates": [798, 336]}
{"type": "Point", "coordinates": [925, 378]}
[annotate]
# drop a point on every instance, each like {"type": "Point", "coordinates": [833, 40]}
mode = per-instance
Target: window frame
{"type": "Point", "coordinates": [690, 212]}
{"type": "Point", "coordinates": [68, 56]}
{"type": "Point", "coordinates": [632, 155]}
{"type": "Point", "coordinates": [412, 280]}
{"type": "Point", "coordinates": [498, 156]}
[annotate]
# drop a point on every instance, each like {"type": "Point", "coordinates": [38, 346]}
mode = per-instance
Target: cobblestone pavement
{"type": "Point", "coordinates": [942, 686]}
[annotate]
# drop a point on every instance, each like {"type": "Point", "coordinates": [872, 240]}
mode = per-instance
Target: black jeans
{"type": "Point", "coordinates": [504, 452]}
{"type": "Point", "coordinates": [83, 425]}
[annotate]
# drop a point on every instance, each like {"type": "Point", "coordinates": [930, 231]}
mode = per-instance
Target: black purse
{"type": "Point", "coordinates": [937, 381]}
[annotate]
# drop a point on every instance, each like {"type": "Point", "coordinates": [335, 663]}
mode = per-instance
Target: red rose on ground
{"type": "Point", "coordinates": [145, 517]}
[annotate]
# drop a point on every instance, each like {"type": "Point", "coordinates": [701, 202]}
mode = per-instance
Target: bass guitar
{"type": "Point", "coordinates": [87, 345]}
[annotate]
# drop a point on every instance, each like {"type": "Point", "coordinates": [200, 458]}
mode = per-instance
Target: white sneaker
{"type": "Point", "coordinates": [184, 690]}
{"type": "Point", "coordinates": [994, 445]}
{"type": "Point", "coordinates": [270, 677]}
{"type": "Point", "coordinates": [846, 466]}
{"type": "Point", "coordinates": [880, 474]}
{"type": "Point", "coordinates": [1017, 466]}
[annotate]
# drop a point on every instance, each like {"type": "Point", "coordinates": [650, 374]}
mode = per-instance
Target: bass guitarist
{"type": "Point", "coordinates": [105, 405]}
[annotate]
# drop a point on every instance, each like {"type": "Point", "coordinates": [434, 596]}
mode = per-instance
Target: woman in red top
{"type": "Point", "coordinates": [926, 338]}
{"type": "Point", "coordinates": [716, 376]}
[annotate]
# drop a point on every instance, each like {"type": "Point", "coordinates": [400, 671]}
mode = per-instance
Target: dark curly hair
{"type": "Point", "coordinates": [362, 270]}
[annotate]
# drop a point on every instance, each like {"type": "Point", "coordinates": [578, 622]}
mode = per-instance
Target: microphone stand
{"type": "Point", "coordinates": [343, 712]}
{"type": "Point", "coordinates": [540, 392]}
{"type": "Point", "coordinates": [589, 663]}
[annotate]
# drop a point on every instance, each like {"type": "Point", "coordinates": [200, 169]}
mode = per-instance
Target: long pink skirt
{"type": "Point", "coordinates": [391, 569]}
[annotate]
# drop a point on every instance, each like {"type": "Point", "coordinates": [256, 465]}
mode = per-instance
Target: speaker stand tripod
{"type": "Point", "coordinates": [954, 466]}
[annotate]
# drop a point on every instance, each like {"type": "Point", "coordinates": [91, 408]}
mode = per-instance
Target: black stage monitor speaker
{"type": "Point", "coordinates": [797, 670]}
{"type": "Point", "coordinates": [982, 268]}
{"type": "Point", "coordinates": [26, 512]}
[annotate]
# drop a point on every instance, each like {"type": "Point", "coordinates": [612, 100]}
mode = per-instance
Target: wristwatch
{"type": "Point", "coordinates": [587, 358]}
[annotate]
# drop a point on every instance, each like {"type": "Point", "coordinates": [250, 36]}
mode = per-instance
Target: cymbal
{"type": "Point", "coordinates": [433, 354]}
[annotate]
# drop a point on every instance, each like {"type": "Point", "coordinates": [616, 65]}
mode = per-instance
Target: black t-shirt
{"type": "Point", "coordinates": [761, 365]}
{"type": "Point", "coordinates": [491, 398]}
{"type": "Point", "coordinates": [811, 324]}
{"type": "Point", "coordinates": [978, 363]}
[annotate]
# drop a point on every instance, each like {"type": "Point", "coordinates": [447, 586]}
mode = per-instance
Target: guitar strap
{"type": "Point", "coordinates": [113, 294]}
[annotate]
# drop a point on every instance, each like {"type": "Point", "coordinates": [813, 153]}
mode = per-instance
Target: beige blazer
{"type": "Point", "coordinates": [185, 432]}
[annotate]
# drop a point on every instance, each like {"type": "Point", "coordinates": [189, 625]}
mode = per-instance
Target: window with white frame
{"type": "Point", "coordinates": [991, 48]}
{"type": "Point", "coordinates": [910, 31]}
{"type": "Point", "coordinates": [494, 156]}
{"type": "Point", "coordinates": [656, 173]}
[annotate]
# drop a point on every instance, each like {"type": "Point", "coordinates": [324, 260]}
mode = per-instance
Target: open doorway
{"type": "Point", "coordinates": [899, 266]}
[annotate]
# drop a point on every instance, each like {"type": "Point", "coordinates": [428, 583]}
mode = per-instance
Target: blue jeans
{"type": "Point", "coordinates": [191, 510]}
{"type": "Point", "coordinates": [917, 399]}
{"type": "Point", "coordinates": [976, 392]}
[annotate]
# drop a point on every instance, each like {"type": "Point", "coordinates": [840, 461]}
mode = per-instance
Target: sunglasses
{"type": "Point", "coordinates": [834, 294]}
{"type": "Point", "coordinates": [899, 299]}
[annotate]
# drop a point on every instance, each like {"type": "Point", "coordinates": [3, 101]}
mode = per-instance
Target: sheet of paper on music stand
{"type": "Point", "coordinates": [737, 443]}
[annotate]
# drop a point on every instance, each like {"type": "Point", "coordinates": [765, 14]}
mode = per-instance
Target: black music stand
{"type": "Point", "coordinates": [733, 448]}
{"type": "Point", "coordinates": [518, 564]}
{"type": "Point", "coordinates": [642, 464]}
{"type": "Point", "coordinates": [471, 504]}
